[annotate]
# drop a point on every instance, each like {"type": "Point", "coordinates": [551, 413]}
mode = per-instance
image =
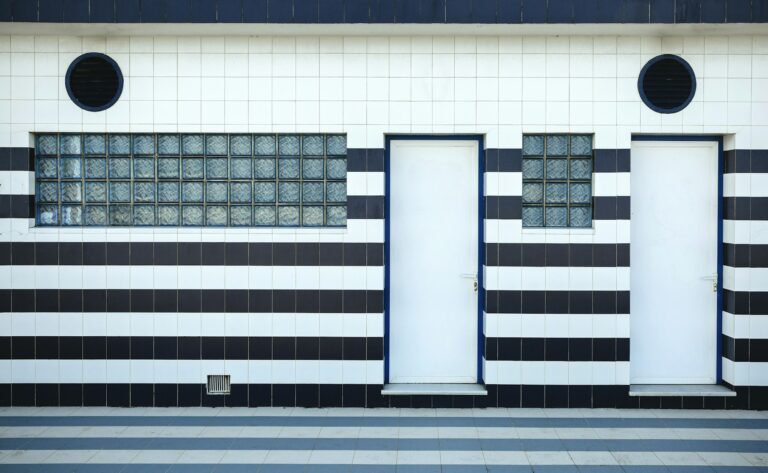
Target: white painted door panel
{"type": "Point", "coordinates": [673, 258]}
{"type": "Point", "coordinates": [433, 261]}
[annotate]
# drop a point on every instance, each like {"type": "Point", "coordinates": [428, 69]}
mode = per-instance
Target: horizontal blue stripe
{"type": "Point", "coordinates": [383, 444]}
{"type": "Point", "coordinates": [287, 468]}
{"type": "Point", "coordinates": [357, 421]}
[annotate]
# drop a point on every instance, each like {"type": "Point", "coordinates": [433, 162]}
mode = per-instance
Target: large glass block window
{"type": "Point", "coordinates": [193, 180]}
{"type": "Point", "coordinates": [557, 180]}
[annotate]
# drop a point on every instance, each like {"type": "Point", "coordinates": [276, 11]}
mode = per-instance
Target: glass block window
{"type": "Point", "coordinates": [194, 180]}
{"type": "Point", "coordinates": [557, 180]}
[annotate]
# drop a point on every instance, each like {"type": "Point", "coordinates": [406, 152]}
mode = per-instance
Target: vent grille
{"type": "Point", "coordinates": [218, 384]}
{"type": "Point", "coordinates": [94, 82]}
{"type": "Point", "coordinates": [667, 84]}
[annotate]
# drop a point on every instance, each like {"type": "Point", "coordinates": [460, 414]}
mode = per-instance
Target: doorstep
{"type": "Point", "coordinates": [680, 390]}
{"type": "Point", "coordinates": [434, 390]}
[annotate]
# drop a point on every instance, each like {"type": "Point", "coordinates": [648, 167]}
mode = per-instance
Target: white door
{"type": "Point", "coordinates": [673, 258]}
{"type": "Point", "coordinates": [433, 246]}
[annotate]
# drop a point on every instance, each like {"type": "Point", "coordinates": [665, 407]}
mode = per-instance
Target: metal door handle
{"type": "Point", "coordinates": [713, 279]}
{"type": "Point", "coordinates": [472, 276]}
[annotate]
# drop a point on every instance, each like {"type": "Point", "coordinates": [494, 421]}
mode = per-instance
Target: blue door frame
{"type": "Point", "coordinates": [480, 237]}
{"type": "Point", "coordinates": [720, 165]}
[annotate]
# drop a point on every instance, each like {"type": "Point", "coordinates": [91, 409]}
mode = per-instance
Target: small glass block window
{"type": "Point", "coordinates": [557, 181]}
{"type": "Point", "coordinates": [217, 180]}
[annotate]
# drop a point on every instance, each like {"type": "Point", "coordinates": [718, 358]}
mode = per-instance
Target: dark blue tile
{"type": "Point", "coordinates": [636, 11]}
{"type": "Point", "coordinates": [382, 11]}
{"type": "Point", "coordinates": [202, 11]}
{"type": "Point", "coordinates": [584, 11]}
{"type": "Point", "coordinates": [713, 11]}
{"type": "Point", "coordinates": [153, 11]}
{"type": "Point", "coordinates": [177, 11]}
{"type": "Point", "coordinates": [5, 10]}
{"type": "Point", "coordinates": [608, 11]}
{"type": "Point", "coordinates": [305, 11]}
{"type": "Point", "coordinates": [127, 11]}
{"type": "Point", "coordinates": [485, 11]}
{"type": "Point", "coordinates": [688, 11]}
{"type": "Point", "coordinates": [230, 11]}
{"type": "Point", "coordinates": [458, 11]}
{"type": "Point", "coordinates": [431, 11]}
{"type": "Point", "coordinates": [560, 11]}
{"type": "Point", "coordinates": [738, 11]}
{"type": "Point", "coordinates": [102, 11]}
{"type": "Point", "coordinates": [509, 11]}
{"type": "Point", "coordinates": [357, 11]}
{"type": "Point", "coordinates": [406, 11]}
{"type": "Point", "coordinates": [75, 11]}
{"type": "Point", "coordinates": [281, 11]}
{"type": "Point", "coordinates": [50, 11]}
{"type": "Point", "coordinates": [255, 11]}
{"type": "Point", "coordinates": [534, 11]}
{"type": "Point", "coordinates": [662, 11]}
{"type": "Point", "coordinates": [24, 10]}
{"type": "Point", "coordinates": [331, 11]}
{"type": "Point", "coordinates": [760, 12]}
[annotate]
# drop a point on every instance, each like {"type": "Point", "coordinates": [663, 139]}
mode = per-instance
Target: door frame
{"type": "Point", "coordinates": [720, 170]}
{"type": "Point", "coordinates": [480, 139]}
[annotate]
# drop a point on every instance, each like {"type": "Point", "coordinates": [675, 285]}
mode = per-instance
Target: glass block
{"type": "Point", "coordinates": [581, 193]}
{"type": "Point", "coordinates": [311, 216]}
{"type": "Point", "coordinates": [264, 216]}
{"type": "Point", "coordinates": [191, 191]}
{"type": "Point", "coordinates": [581, 169]}
{"type": "Point", "coordinates": [71, 192]}
{"type": "Point", "coordinates": [312, 169]}
{"type": "Point", "coordinates": [533, 216]}
{"type": "Point", "coordinates": [533, 192]}
{"type": "Point", "coordinates": [240, 145]}
{"type": "Point", "coordinates": [288, 192]}
{"type": "Point", "coordinates": [168, 145]}
{"type": "Point", "coordinates": [557, 168]}
{"type": "Point", "coordinates": [581, 145]}
{"type": "Point", "coordinates": [168, 215]}
{"type": "Point", "coordinates": [192, 215]}
{"type": "Point", "coordinates": [95, 168]}
{"type": "Point", "coordinates": [47, 145]}
{"type": "Point", "coordinates": [69, 144]}
{"type": "Point", "coordinates": [144, 215]}
{"type": "Point", "coordinates": [337, 169]}
{"type": "Point", "coordinates": [71, 215]}
{"type": "Point", "coordinates": [557, 193]}
{"type": "Point", "coordinates": [336, 191]}
{"type": "Point", "coordinates": [264, 191]}
{"type": "Point", "coordinates": [95, 144]}
{"type": "Point", "coordinates": [336, 145]}
{"type": "Point", "coordinates": [289, 145]}
{"type": "Point", "coordinates": [533, 169]}
{"type": "Point", "coordinates": [192, 144]}
{"type": "Point", "coordinates": [288, 168]}
{"type": "Point", "coordinates": [557, 145]}
{"type": "Point", "coordinates": [216, 145]}
{"type": "Point", "coordinates": [47, 167]}
{"type": "Point", "coordinates": [264, 168]}
{"type": "Point", "coordinates": [240, 215]}
{"type": "Point", "coordinates": [192, 168]}
{"type": "Point", "coordinates": [216, 168]}
{"type": "Point", "coordinates": [240, 168]}
{"type": "Point", "coordinates": [312, 192]}
{"type": "Point", "coordinates": [143, 144]}
{"type": "Point", "coordinates": [143, 168]}
{"type": "Point", "coordinates": [556, 216]}
{"type": "Point", "coordinates": [120, 215]}
{"type": "Point", "coordinates": [70, 168]}
{"type": "Point", "coordinates": [144, 191]}
{"type": "Point", "coordinates": [264, 145]}
{"type": "Point", "coordinates": [240, 192]}
{"type": "Point", "coordinates": [95, 215]}
{"type": "Point", "coordinates": [119, 144]}
{"type": "Point", "coordinates": [119, 191]}
{"type": "Point", "coordinates": [288, 216]}
{"type": "Point", "coordinates": [168, 192]}
{"type": "Point", "coordinates": [47, 192]}
{"type": "Point", "coordinates": [216, 192]}
{"type": "Point", "coordinates": [119, 168]}
{"type": "Point", "coordinates": [336, 216]}
{"type": "Point", "coordinates": [533, 145]}
{"type": "Point", "coordinates": [95, 191]}
{"type": "Point", "coordinates": [168, 168]}
{"type": "Point", "coordinates": [216, 215]}
{"type": "Point", "coordinates": [48, 214]}
{"type": "Point", "coordinates": [312, 145]}
{"type": "Point", "coordinates": [581, 216]}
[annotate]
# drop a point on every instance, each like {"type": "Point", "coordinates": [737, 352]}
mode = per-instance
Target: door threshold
{"type": "Point", "coordinates": [415, 389]}
{"type": "Point", "coordinates": [680, 390]}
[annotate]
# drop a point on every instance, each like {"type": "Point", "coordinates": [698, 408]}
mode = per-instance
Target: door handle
{"type": "Point", "coordinates": [472, 276]}
{"type": "Point", "coordinates": [713, 279]}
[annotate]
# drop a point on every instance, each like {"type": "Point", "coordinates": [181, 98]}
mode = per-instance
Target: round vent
{"type": "Point", "coordinates": [94, 82]}
{"type": "Point", "coordinates": [667, 84]}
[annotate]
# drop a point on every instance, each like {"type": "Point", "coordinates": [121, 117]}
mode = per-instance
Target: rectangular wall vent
{"type": "Point", "coordinates": [218, 384]}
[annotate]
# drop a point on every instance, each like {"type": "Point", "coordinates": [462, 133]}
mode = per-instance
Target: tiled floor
{"type": "Point", "coordinates": [381, 440]}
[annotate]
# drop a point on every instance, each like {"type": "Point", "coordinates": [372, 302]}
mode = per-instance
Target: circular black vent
{"type": "Point", "coordinates": [667, 84]}
{"type": "Point", "coordinates": [94, 82]}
